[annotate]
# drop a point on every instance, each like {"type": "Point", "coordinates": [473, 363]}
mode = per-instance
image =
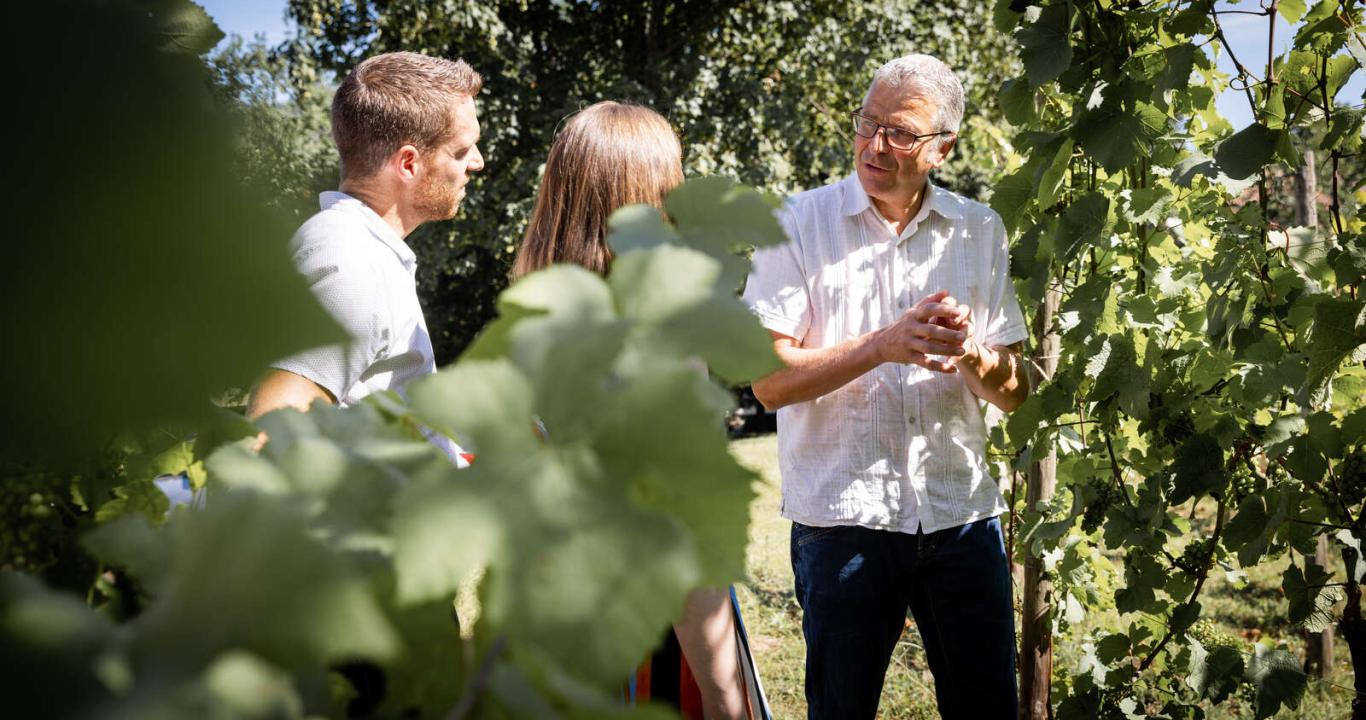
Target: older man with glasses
{"type": "Point", "coordinates": [893, 311]}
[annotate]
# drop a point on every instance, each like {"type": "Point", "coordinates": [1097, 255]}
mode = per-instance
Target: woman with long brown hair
{"type": "Point", "coordinates": [610, 155]}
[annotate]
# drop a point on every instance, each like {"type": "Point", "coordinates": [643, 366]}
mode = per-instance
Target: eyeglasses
{"type": "Point", "coordinates": [897, 137]}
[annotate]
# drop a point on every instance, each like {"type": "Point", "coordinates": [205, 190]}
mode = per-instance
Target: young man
{"type": "Point", "coordinates": [893, 311]}
{"type": "Point", "coordinates": [405, 127]}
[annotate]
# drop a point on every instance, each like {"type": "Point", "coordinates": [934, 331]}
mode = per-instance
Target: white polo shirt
{"type": "Point", "coordinates": [900, 448]}
{"type": "Point", "coordinates": [365, 276]}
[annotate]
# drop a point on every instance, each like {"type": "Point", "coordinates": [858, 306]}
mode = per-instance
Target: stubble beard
{"type": "Point", "coordinates": [437, 200]}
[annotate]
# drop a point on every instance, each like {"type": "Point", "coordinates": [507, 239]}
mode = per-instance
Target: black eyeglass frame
{"type": "Point", "coordinates": [858, 117]}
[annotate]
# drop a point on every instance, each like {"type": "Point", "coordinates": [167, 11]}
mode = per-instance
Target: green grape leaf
{"type": "Point", "coordinates": [652, 284]}
{"type": "Point", "coordinates": [1339, 328]}
{"type": "Point", "coordinates": [609, 541]}
{"type": "Point", "coordinates": [140, 497]}
{"type": "Point", "coordinates": [1084, 223]}
{"type": "Point", "coordinates": [58, 652]}
{"type": "Point", "coordinates": [187, 28]}
{"type": "Point", "coordinates": [244, 683]}
{"type": "Point", "coordinates": [1045, 45]}
{"type": "Point", "coordinates": [1199, 468]}
{"type": "Point", "coordinates": [639, 227]}
{"type": "Point", "coordinates": [1142, 576]}
{"type": "Point", "coordinates": [1291, 10]}
{"type": "Point", "coordinates": [146, 352]}
{"type": "Point", "coordinates": [1251, 528]}
{"type": "Point", "coordinates": [1192, 20]}
{"type": "Point", "coordinates": [1280, 433]}
{"type": "Point", "coordinates": [681, 466]}
{"type": "Point", "coordinates": [1214, 674]}
{"type": "Point", "coordinates": [1247, 151]}
{"type": "Point", "coordinates": [227, 565]}
{"type": "Point", "coordinates": [130, 542]}
{"type": "Point", "coordinates": [1117, 372]}
{"type": "Point", "coordinates": [1147, 205]}
{"type": "Point", "coordinates": [1004, 16]}
{"type": "Point", "coordinates": [1116, 136]}
{"type": "Point", "coordinates": [1010, 196]}
{"type": "Point", "coordinates": [672, 295]}
{"type": "Point", "coordinates": [424, 674]}
{"type": "Point", "coordinates": [1178, 60]}
{"type": "Point", "coordinates": [1311, 603]}
{"type": "Point", "coordinates": [495, 339]}
{"type": "Point", "coordinates": [1344, 130]}
{"type": "Point", "coordinates": [1187, 170]}
{"type": "Point", "coordinates": [1307, 253]}
{"type": "Point", "coordinates": [1016, 99]}
{"type": "Point", "coordinates": [1322, 31]}
{"type": "Point", "coordinates": [724, 219]}
{"type": "Point", "coordinates": [218, 428]}
{"type": "Point", "coordinates": [726, 335]}
{"type": "Point", "coordinates": [1279, 680]}
{"type": "Point", "coordinates": [1052, 175]}
{"type": "Point", "coordinates": [1349, 262]}
{"type": "Point", "coordinates": [1359, 561]}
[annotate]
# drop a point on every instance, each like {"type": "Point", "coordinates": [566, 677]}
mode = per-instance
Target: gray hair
{"type": "Point", "coordinates": [928, 75]}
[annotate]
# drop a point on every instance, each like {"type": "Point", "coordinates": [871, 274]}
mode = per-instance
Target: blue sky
{"type": "Point", "coordinates": [1247, 36]}
{"type": "Point", "coordinates": [249, 17]}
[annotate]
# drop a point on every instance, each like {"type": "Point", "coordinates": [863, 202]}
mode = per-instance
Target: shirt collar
{"type": "Point", "coordinates": [937, 200]}
{"type": "Point", "coordinates": [373, 222]}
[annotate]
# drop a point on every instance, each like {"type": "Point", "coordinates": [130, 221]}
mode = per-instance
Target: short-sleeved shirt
{"type": "Point", "coordinates": [901, 447]}
{"type": "Point", "coordinates": [365, 276]}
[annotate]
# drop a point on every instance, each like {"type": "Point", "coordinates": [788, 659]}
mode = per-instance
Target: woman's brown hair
{"type": "Point", "coordinates": [609, 155]}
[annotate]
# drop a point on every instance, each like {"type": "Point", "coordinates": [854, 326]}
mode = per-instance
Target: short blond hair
{"type": "Point", "coordinates": [397, 99]}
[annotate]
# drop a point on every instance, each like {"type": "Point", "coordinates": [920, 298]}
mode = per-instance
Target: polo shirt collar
{"type": "Point", "coordinates": [937, 200]}
{"type": "Point", "coordinates": [373, 222]}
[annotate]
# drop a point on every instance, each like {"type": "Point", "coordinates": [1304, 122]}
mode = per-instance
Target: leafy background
{"type": "Point", "coordinates": [1199, 336]}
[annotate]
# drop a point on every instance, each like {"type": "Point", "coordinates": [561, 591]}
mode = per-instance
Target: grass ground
{"type": "Point", "coordinates": [1254, 612]}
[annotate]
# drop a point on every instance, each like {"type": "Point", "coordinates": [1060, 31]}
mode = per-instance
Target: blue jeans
{"type": "Point", "coordinates": [855, 585]}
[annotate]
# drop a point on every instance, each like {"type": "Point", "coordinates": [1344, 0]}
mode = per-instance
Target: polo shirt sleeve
{"type": "Point", "coordinates": [351, 290]}
{"type": "Point", "coordinates": [1005, 325]}
{"type": "Point", "coordinates": [776, 290]}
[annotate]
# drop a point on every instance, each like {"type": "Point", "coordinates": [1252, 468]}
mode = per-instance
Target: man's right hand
{"type": "Point", "coordinates": [921, 332]}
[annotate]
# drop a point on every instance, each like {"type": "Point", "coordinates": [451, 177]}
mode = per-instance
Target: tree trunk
{"type": "Point", "coordinates": [1307, 192]}
{"type": "Point", "coordinates": [1354, 632]}
{"type": "Point", "coordinates": [1036, 642]}
{"type": "Point", "coordinates": [1318, 647]}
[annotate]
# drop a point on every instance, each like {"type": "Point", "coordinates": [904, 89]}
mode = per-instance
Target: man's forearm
{"type": "Point", "coordinates": [997, 375]}
{"type": "Point", "coordinates": [281, 388]}
{"type": "Point", "coordinates": [811, 373]}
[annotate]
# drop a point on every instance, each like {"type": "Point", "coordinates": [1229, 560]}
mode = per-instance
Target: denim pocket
{"type": "Point", "coordinates": [803, 535]}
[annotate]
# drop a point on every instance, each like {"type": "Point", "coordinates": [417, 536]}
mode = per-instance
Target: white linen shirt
{"type": "Point", "coordinates": [365, 276]}
{"type": "Point", "coordinates": [899, 448]}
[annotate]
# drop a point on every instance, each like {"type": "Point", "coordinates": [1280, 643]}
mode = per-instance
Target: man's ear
{"type": "Point", "coordinates": [405, 161]}
{"type": "Point", "coordinates": [945, 148]}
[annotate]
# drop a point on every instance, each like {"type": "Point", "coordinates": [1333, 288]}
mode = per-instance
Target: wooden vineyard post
{"type": "Point", "coordinates": [1036, 641]}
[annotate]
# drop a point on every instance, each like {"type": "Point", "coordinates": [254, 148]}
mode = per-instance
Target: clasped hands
{"type": "Point", "coordinates": [937, 325]}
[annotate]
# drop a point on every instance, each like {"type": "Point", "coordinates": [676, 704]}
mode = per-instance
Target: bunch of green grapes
{"type": "Point", "coordinates": [32, 531]}
{"type": "Point", "coordinates": [1104, 494]}
{"type": "Point", "coordinates": [1244, 483]}
{"type": "Point", "coordinates": [1195, 556]}
{"type": "Point", "coordinates": [1211, 636]}
{"type": "Point", "coordinates": [1351, 475]}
